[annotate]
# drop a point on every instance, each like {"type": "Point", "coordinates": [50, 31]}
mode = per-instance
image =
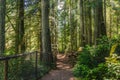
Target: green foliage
{"type": "Point", "coordinates": [81, 70]}
{"type": "Point", "coordinates": [98, 73]}
{"type": "Point", "coordinates": [98, 62]}
{"type": "Point", "coordinates": [100, 52]}
{"type": "Point", "coordinates": [114, 71]}
{"type": "Point", "coordinates": [91, 61]}
{"type": "Point", "coordinates": [92, 56]}
{"type": "Point", "coordinates": [1, 70]}
{"type": "Point", "coordinates": [22, 69]}
{"type": "Point", "coordinates": [90, 64]}
{"type": "Point", "coordinates": [10, 51]}
{"type": "Point", "coordinates": [85, 58]}
{"type": "Point", "coordinates": [43, 70]}
{"type": "Point", "coordinates": [113, 64]}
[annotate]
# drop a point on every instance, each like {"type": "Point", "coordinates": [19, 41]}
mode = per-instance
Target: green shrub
{"type": "Point", "coordinates": [98, 73]}
{"type": "Point", "coordinates": [113, 65]}
{"type": "Point", "coordinates": [43, 70]}
{"type": "Point", "coordinates": [114, 71]}
{"type": "Point", "coordinates": [96, 63]}
{"type": "Point", "coordinates": [21, 69]}
{"type": "Point", "coordinates": [80, 70]}
{"type": "Point", "coordinates": [100, 52]}
{"type": "Point", "coordinates": [92, 56]}
{"type": "Point", "coordinates": [85, 58]}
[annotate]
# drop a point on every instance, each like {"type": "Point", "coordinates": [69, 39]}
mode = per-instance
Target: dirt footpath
{"type": "Point", "coordinates": [63, 71]}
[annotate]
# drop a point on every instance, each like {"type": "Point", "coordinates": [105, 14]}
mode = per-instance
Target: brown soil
{"type": "Point", "coordinates": [63, 71]}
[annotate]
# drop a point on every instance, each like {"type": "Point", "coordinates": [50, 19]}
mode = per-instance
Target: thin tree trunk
{"type": "Point", "coordinates": [105, 12]}
{"type": "Point", "coordinates": [70, 25]}
{"type": "Point", "coordinates": [117, 25]}
{"type": "Point", "coordinates": [110, 28]}
{"type": "Point", "coordinates": [65, 26]}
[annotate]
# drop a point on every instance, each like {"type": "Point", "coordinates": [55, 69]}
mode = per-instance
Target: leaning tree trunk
{"type": "Point", "coordinates": [47, 58]}
{"type": "Point", "coordinates": [2, 25]}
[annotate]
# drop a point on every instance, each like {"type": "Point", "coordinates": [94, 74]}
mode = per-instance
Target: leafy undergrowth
{"type": "Point", "coordinates": [22, 69]}
{"type": "Point", "coordinates": [97, 63]}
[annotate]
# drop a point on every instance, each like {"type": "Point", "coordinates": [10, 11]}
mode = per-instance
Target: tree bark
{"type": "Point", "coordinates": [47, 57]}
{"type": "Point", "coordinates": [20, 42]}
{"type": "Point", "coordinates": [100, 26]}
{"type": "Point", "coordinates": [89, 25]}
{"type": "Point", "coordinates": [82, 24]}
{"type": "Point", "coordinates": [2, 25]}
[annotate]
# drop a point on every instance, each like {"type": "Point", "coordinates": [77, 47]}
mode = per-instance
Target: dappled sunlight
{"type": "Point", "coordinates": [63, 71]}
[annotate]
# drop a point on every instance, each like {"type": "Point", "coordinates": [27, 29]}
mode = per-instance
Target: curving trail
{"type": "Point", "coordinates": [63, 71]}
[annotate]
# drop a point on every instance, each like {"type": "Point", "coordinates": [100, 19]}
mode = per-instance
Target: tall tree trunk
{"type": "Point", "coordinates": [70, 25]}
{"type": "Point", "coordinates": [64, 33]}
{"type": "Point", "coordinates": [105, 12]}
{"type": "Point", "coordinates": [100, 26]}
{"type": "Point", "coordinates": [82, 23]}
{"type": "Point", "coordinates": [2, 25]}
{"type": "Point", "coordinates": [40, 33]}
{"type": "Point", "coordinates": [89, 25]}
{"type": "Point", "coordinates": [47, 57]}
{"type": "Point", "coordinates": [20, 42]}
{"type": "Point", "coordinates": [22, 31]}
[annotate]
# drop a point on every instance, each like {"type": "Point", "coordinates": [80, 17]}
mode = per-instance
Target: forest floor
{"type": "Point", "coordinates": [63, 71]}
